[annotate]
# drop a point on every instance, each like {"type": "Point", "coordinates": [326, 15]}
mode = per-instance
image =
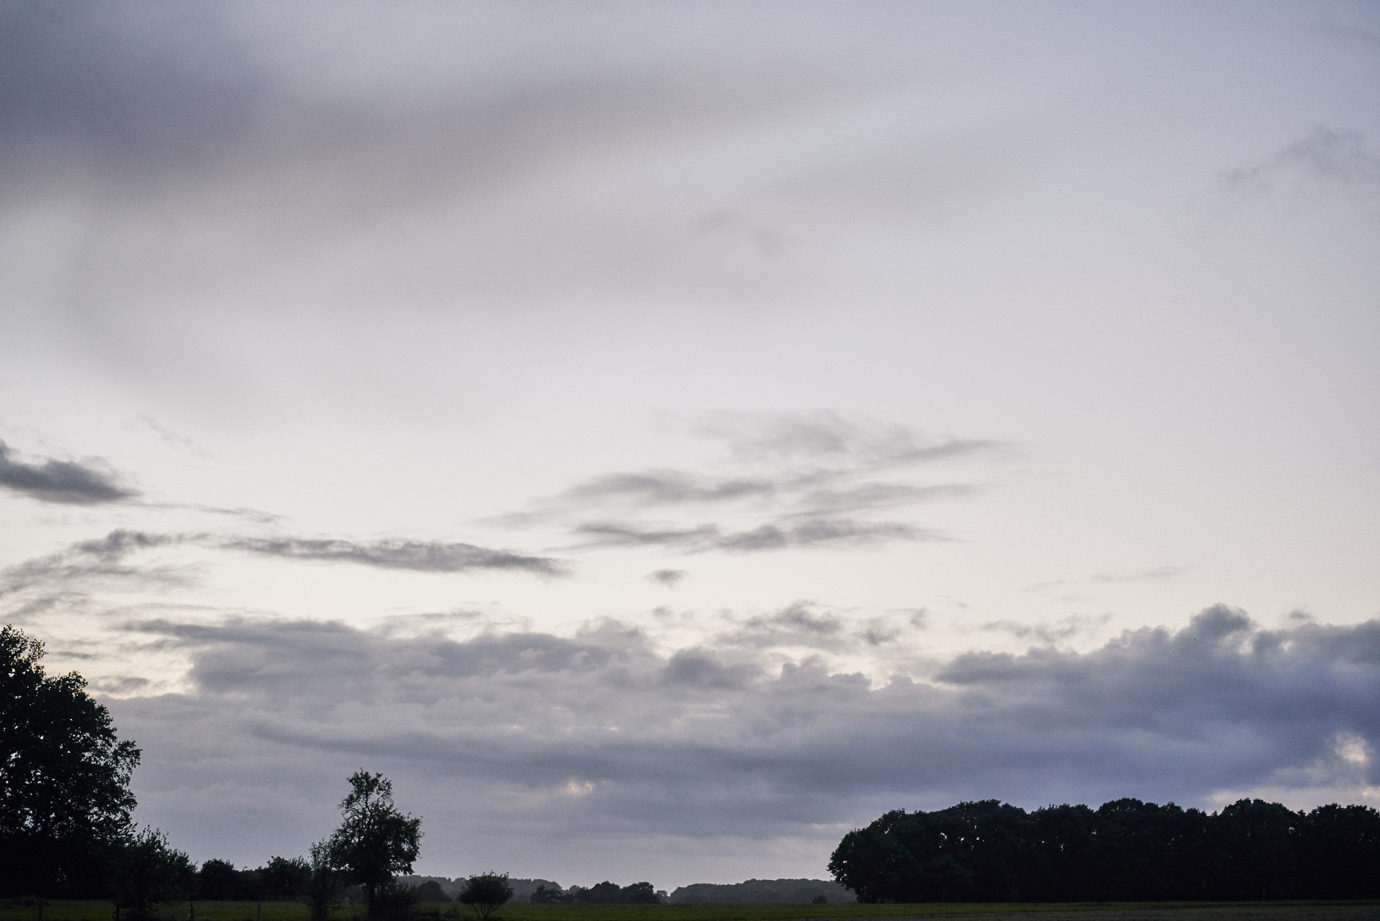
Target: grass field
{"type": "Point", "coordinates": [518, 911]}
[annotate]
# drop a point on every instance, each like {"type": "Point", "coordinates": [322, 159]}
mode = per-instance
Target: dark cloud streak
{"type": "Point", "coordinates": [418, 556]}
{"type": "Point", "coordinates": [781, 535]}
{"type": "Point", "coordinates": [67, 482]}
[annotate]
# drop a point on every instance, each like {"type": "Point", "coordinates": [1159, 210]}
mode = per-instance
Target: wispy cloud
{"type": "Point", "coordinates": [824, 531]}
{"type": "Point", "coordinates": [1157, 574]}
{"type": "Point", "coordinates": [107, 559]}
{"type": "Point", "coordinates": [781, 535]}
{"type": "Point", "coordinates": [1049, 634]}
{"type": "Point", "coordinates": [662, 487]}
{"type": "Point", "coordinates": [89, 482]}
{"type": "Point", "coordinates": [864, 496]}
{"type": "Point", "coordinates": [1326, 157]}
{"type": "Point", "coordinates": [101, 560]}
{"type": "Point", "coordinates": [824, 435]}
{"type": "Point", "coordinates": [790, 481]}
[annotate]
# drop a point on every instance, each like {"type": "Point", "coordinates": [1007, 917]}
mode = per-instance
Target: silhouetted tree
{"type": "Point", "coordinates": [641, 893]}
{"type": "Point", "coordinates": [284, 879]}
{"type": "Point", "coordinates": [1258, 840]}
{"type": "Point", "coordinates": [547, 895]}
{"type": "Point", "coordinates": [147, 870]}
{"type": "Point", "coordinates": [323, 882]}
{"type": "Point", "coordinates": [486, 893]}
{"type": "Point", "coordinates": [218, 880]}
{"type": "Point", "coordinates": [431, 891]}
{"type": "Point", "coordinates": [1126, 850]}
{"type": "Point", "coordinates": [1340, 852]}
{"type": "Point", "coordinates": [375, 841]}
{"type": "Point", "coordinates": [64, 777]}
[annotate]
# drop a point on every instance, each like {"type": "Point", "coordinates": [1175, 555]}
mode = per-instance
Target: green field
{"type": "Point", "coordinates": [517, 911]}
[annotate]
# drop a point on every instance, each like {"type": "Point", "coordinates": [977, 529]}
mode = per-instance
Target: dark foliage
{"type": "Point", "coordinates": [431, 891]}
{"type": "Point", "coordinates": [146, 870]}
{"type": "Point", "coordinates": [762, 892]}
{"type": "Point", "coordinates": [219, 881]}
{"type": "Point", "coordinates": [324, 882]}
{"type": "Point", "coordinates": [64, 777]}
{"type": "Point", "coordinates": [608, 893]}
{"type": "Point", "coordinates": [1125, 850]}
{"type": "Point", "coordinates": [393, 902]}
{"type": "Point", "coordinates": [282, 879]}
{"type": "Point", "coordinates": [375, 841]}
{"type": "Point", "coordinates": [548, 895]}
{"type": "Point", "coordinates": [486, 893]}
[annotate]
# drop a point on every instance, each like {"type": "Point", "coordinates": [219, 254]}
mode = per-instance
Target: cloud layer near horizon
{"type": "Point", "coordinates": [602, 733]}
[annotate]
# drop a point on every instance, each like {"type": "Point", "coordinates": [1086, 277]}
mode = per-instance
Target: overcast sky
{"type": "Point", "coordinates": [664, 436]}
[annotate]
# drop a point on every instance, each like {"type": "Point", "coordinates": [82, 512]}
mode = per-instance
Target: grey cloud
{"type": "Point", "coordinates": [1048, 633]}
{"type": "Point", "coordinates": [705, 669]}
{"type": "Point", "coordinates": [103, 559]}
{"type": "Point", "coordinates": [252, 515]}
{"type": "Point", "coordinates": [432, 622]}
{"type": "Point", "coordinates": [806, 624]}
{"type": "Point", "coordinates": [601, 735]}
{"type": "Point", "coordinates": [667, 577]}
{"type": "Point", "coordinates": [612, 534]}
{"type": "Point", "coordinates": [68, 482]}
{"type": "Point", "coordinates": [807, 461]}
{"type": "Point", "coordinates": [1325, 157]}
{"type": "Point", "coordinates": [782, 535]}
{"type": "Point", "coordinates": [803, 488]}
{"type": "Point", "coordinates": [419, 556]}
{"type": "Point", "coordinates": [798, 624]}
{"type": "Point", "coordinates": [120, 543]}
{"type": "Point", "coordinates": [881, 495]}
{"type": "Point", "coordinates": [108, 559]}
{"type": "Point", "coordinates": [668, 486]}
{"type": "Point", "coordinates": [826, 436]}
{"type": "Point", "coordinates": [818, 531]}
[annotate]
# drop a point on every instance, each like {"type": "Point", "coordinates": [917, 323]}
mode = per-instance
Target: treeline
{"type": "Point", "coordinates": [762, 892]}
{"type": "Point", "coordinates": [1125, 850]}
{"type": "Point", "coordinates": [605, 893]}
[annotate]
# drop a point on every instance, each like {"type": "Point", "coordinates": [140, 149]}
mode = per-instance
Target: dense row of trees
{"type": "Point", "coordinates": [605, 893]}
{"type": "Point", "coordinates": [1125, 850]}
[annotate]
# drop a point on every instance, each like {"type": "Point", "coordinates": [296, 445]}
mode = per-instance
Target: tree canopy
{"type": "Point", "coordinates": [375, 841]}
{"type": "Point", "coordinates": [486, 893]}
{"type": "Point", "coordinates": [1125, 850]}
{"type": "Point", "coordinates": [64, 776]}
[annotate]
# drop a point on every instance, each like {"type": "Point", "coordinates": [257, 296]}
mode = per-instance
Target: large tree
{"type": "Point", "coordinates": [375, 840]}
{"type": "Point", "coordinates": [64, 776]}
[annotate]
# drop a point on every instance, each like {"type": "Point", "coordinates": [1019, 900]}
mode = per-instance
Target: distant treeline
{"type": "Point", "coordinates": [1125, 850]}
{"type": "Point", "coordinates": [762, 892]}
{"type": "Point", "coordinates": [439, 888]}
{"type": "Point", "coordinates": [749, 892]}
